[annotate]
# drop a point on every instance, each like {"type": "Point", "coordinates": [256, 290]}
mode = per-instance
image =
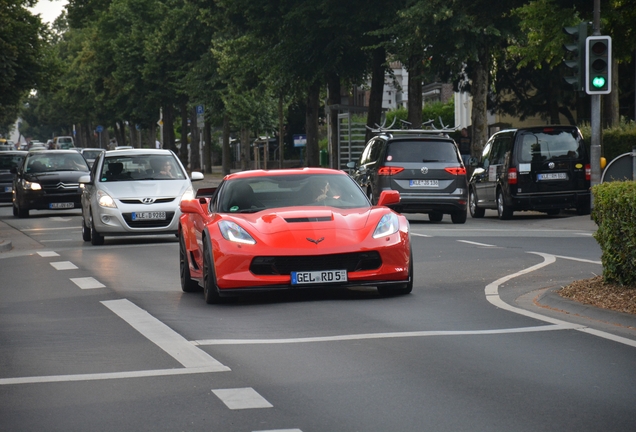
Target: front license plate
{"type": "Point", "coordinates": [8, 189]}
{"type": "Point", "coordinates": [424, 183]}
{"type": "Point", "coordinates": [552, 176]}
{"type": "Point", "coordinates": [317, 277]}
{"type": "Point", "coordinates": [61, 205]}
{"type": "Point", "coordinates": [148, 215]}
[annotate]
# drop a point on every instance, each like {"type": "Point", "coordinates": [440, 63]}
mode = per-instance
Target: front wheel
{"type": "Point", "coordinates": [86, 231]}
{"type": "Point", "coordinates": [210, 290]}
{"type": "Point", "coordinates": [96, 238]}
{"type": "Point", "coordinates": [503, 211]}
{"type": "Point", "coordinates": [475, 212]}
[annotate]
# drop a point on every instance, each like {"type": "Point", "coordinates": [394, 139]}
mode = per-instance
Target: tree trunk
{"type": "Point", "coordinates": [374, 115]}
{"type": "Point", "coordinates": [226, 150]}
{"type": "Point", "coordinates": [281, 133]}
{"type": "Point", "coordinates": [333, 98]}
{"type": "Point", "coordinates": [312, 155]}
{"type": "Point", "coordinates": [168, 127]}
{"type": "Point", "coordinates": [245, 149]}
{"type": "Point", "coordinates": [207, 147]}
{"type": "Point", "coordinates": [479, 89]}
{"type": "Point", "coordinates": [183, 151]}
{"type": "Point", "coordinates": [416, 72]}
{"type": "Point", "coordinates": [195, 142]}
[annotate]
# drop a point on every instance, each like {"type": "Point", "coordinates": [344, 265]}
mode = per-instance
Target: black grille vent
{"type": "Point", "coordinates": [151, 223]}
{"type": "Point", "coordinates": [284, 265]}
{"type": "Point", "coordinates": [309, 219]}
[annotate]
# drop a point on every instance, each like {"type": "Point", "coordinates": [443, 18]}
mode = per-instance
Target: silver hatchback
{"type": "Point", "coordinates": [134, 192]}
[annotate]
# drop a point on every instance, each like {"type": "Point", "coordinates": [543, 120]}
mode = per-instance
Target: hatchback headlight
{"type": "Point", "coordinates": [31, 185]}
{"type": "Point", "coordinates": [388, 225]}
{"type": "Point", "coordinates": [188, 194]}
{"type": "Point", "coordinates": [105, 200]}
{"type": "Point", "coordinates": [233, 232]}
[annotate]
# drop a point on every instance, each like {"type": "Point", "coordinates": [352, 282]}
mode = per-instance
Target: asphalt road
{"type": "Point", "coordinates": [102, 338]}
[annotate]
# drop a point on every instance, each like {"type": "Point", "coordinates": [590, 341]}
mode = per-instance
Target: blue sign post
{"type": "Point", "coordinates": [99, 130]}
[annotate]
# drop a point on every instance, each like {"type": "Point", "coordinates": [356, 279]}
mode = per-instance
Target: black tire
{"type": "Point", "coordinates": [15, 210]}
{"type": "Point", "coordinates": [86, 231]}
{"type": "Point", "coordinates": [459, 217]}
{"type": "Point", "coordinates": [210, 290]}
{"type": "Point", "coordinates": [435, 216]}
{"type": "Point", "coordinates": [19, 211]}
{"type": "Point", "coordinates": [401, 288]}
{"type": "Point", "coordinates": [583, 209]}
{"type": "Point", "coordinates": [553, 212]}
{"type": "Point", "coordinates": [96, 238]}
{"type": "Point", "coordinates": [475, 212]}
{"type": "Point", "coordinates": [503, 211]}
{"type": "Point", "coordinates": [187, 284]}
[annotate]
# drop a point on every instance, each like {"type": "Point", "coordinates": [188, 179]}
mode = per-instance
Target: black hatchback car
{"type": "Point", "coordinates": [424, 166]}
{"type": "Point", "coordinates": [48, 180]}
{"type": "Point", "coordinates": [544, 169]}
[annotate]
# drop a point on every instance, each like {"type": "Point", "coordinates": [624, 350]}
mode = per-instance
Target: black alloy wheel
{"type": "Point", "coordinates": [210, 290]}
{"type": "Point", "coordinates": [187, 283]}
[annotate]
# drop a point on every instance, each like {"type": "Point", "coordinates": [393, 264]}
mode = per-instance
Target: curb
{"type": "Point", "coordinates": [5, 245]}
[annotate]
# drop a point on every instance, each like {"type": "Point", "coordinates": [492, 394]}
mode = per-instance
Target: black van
{"type": "Point", "coordinates": [543, 168]}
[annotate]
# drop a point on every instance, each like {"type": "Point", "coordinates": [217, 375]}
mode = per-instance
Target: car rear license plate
{"type": "Point", "coordinates": [424, 183]}
{"type": "Point", "coordinates": [61, 205]}
{"type": "Point", "coordinates": [148, 215]}
{"type": "Point", "coordinates": [552, 176]}
{"type": "Point", "coordinates": [316, 277]}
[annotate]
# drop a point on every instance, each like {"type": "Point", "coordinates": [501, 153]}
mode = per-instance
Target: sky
{"type": "Point", "coordinates": [49, 9]}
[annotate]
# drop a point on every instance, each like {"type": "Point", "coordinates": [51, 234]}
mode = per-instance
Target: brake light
{"type": "Point", "coordinates": [456, 170]}
{"type": "Point", "coordinates": [389, 170]}
{"type": "Point", "coordinates": [512, 176]}
{"type": "Point", "coordinates": [548, 130]}
{"type": "Point", "coordinates": [588, 172]}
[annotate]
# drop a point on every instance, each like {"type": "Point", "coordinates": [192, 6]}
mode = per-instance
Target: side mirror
{"type": "Point", "coordinates": [194, 206]}
{"type": "Point", "coordinates": [196, 175]}
{"type": "Point", "coordinates": [85, 179]}
{"type": "Point", "coordinates": [389, 197]}
{"type": "Point", "coordinates": [351, 165]}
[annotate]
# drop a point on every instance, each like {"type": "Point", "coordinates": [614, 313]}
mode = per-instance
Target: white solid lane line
{"type": "Point", "coordinates": [87, 283]}
{"type": "Point", "coordinates": [163, 336]}
{"type": "Point", "coordinates": [63, 265]}
{"type": "Point", "coordinates": [242, 398]}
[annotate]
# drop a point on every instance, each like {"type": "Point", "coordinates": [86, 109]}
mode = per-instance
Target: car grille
{"type": "Point", "coordinates": [139, 201]}
{"type": "Point", "coordinates": [284, 265]}
{"type": "Point", "coordinates": [151, 223]}
{"type": "Point", "coordinates": [60, 188]}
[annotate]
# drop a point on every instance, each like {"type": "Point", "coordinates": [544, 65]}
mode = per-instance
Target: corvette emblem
{"type": "Point", "coordinates": [315, 241]}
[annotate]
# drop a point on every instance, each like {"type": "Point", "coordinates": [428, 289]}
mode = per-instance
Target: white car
{"type": "Point", "coordinates": [134, 192]}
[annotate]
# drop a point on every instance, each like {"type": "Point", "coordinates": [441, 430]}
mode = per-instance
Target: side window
{"type": "Point", "coordinates": [376, 151]}
{"type": "Point", "coordinates": [364, 157]}
{"type": "Point", "coordinates": [485, 154]}
{"type": "Point", "coordinates": [94, 176]}
{"type": "Point", "coordinates": [500, 150]}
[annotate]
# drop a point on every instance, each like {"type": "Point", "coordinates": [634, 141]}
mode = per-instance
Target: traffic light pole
{"type": "Point", "coordinates": [595, 145]}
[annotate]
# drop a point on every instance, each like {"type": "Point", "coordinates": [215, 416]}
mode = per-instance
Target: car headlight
{"type": "Point", "coordinates": [188, 194]}
{"type": "Point", "coordinates": [105, 200]}
{"type": "Point", "coordinates": [31, 185]}
{"type": "Point", "coordinates": [233, 232]}
{"type": "Point", "coordinates": [388, 225]}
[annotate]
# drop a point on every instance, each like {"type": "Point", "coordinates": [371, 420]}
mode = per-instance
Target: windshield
{"type": "Point", "coordinates": [259, 193]}
{"type": "Point", "coordinates": [9, 161]}
{"type": "Point", "coordinates": [141, 167]}
{"type": "Point", "coordinates": [91, 154]}
{"type": "Point", "coordinates": [49, 162]}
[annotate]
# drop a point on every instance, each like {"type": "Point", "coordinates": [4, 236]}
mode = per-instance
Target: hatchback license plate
{"type": "Point", "coordinates": [425, 183]}
{"type": "Point", "coordinates": [61, 205]}
{"type": "Point", "coordinates": [148, 215]}
{"type": "Point", "coordinates": [552, 176]}
{"type": "Point", "coordinates": [315, 277]}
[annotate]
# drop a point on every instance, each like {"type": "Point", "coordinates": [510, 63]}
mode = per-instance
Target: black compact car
{"type": "Point", "coordinates": [424, 166]}
{"type": "Point", "coordinates": [544, 169]}
{"type": "Point", "coordinates": [9, 160]}
{"type": "Point", "coordinates": [48, 180]}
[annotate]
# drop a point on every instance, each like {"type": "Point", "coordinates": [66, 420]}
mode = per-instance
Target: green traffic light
{"type": "Point", "coordinates": [598, 82]}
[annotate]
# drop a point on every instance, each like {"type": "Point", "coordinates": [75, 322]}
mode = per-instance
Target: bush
{"type": "Point", "coordinates": [616, 141]}
{"type": "Point", "coordinates": [615, 214]}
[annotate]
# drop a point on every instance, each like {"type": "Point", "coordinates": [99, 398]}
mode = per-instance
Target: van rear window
{"type": "Point", "coordinates": [421, 151]}
{"type": "Point", "coordinates": [550, 145]}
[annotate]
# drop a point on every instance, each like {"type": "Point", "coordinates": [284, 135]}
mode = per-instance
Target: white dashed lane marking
{"type": "Point", "coordinates": [87, 283]}
{"type": "Point", "coordinates": [46, 254]}
{"type": "Point", "coordinates": [63, 265]}
{"type": "Point", "coordinates": [242, 398]}
{"type": "Point", "coordinates": [475, 243]}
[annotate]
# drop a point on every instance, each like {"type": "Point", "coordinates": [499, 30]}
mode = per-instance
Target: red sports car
{"type": "Point", "coordinates": [292, 228]}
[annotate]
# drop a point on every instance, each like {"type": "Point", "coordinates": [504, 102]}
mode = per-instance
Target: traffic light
{"type": "Point", "coordinates": [576, 62]}
{"type": "Point", "coordinates": [598, 60]}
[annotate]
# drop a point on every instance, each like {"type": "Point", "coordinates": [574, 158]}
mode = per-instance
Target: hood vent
{"type": "Point", "coordinates": [309, 219]}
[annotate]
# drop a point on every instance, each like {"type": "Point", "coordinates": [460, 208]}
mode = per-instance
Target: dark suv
{"type": "Point", "coordinates": [426, 168]}
{"type": "Point", "coordinates": [539, 168]}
